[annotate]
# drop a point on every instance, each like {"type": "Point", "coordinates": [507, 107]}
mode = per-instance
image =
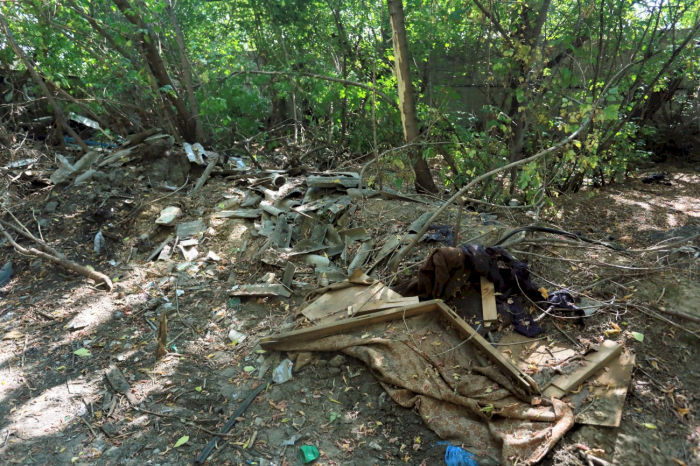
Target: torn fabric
{"type": "Point", "coordinates": [423, 366]}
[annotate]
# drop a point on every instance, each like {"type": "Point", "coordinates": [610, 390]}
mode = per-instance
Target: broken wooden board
{"type": "Point", "coordinates": [381, 305]}
{"type": "Point", "coordinates": [334, 180]}
{"type": "Point", "coordinates": [261, 289]}
{"type": "Point", "coordinates": [436, 305]}
{"type": "Point", "coordinates": [533, 355]}
{"type": "Point", "coordinates": [524, 380]}
{"type": "Point", "coordinates": [488, 302]}
{"type": "Point", "coordinates": [333, 304]}
{"type": "Point", "coordinates": [335, 328]}
{"type": "Point", "coordinates": [595, 361]}
{"type": "Point", "coordinates": [608, 389]}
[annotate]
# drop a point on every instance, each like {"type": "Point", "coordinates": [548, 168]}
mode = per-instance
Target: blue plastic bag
{"type": "Point", "coordinates": [457, 456]}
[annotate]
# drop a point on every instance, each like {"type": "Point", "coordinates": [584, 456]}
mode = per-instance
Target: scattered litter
{"type": "Point", "coordinates": [236, 337]}
{"type": "Point", "coordinates": [289, 272]}
{"type": "Point", "coordinates": [188, 229]}
{"type": "Point", "coordinates": [283, 372]}
{"type": "Point", "coordinates": [457, 456]}
{"type": "Point", "coordinates": [361, 257]}
{"type": "Point", "coordinates": [334, 180]}
{"type": "Point", "coordinates": [355, 234]}
{"type": "Point", "coordinates": [169, 215]}
{"type": "Point", "coordinates": [99, 242]}
{"type": "Point", "coordinates": [308, 453]}
{"type": "Point", "coordinates": [241, 213]}
{"type": "Point", "coordinates": [195, 153]}
{"type": "Point", "coordinates": [291, 441]}
{"type": "Point", "coordinates": [188, 253]}
{"type": "Point", "coordinates": [263, 289]}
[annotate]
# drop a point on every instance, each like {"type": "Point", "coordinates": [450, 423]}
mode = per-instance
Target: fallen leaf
{"type": "Point", "coordinates": [638, 336]}
{"type": "Point", "coordinates": [183, 440]}
{"type": "Point", "coordinates": [649, 425]}
{"type": "Point", "coordinates": [13, 335]}
{"type": "Point", "coordinates": [543, 292]}
{"type": "Point", "coordinates": [82, 352]}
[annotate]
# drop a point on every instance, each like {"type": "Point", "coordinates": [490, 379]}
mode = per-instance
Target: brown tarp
{"type": "Point", "coordinates": [421, 364]}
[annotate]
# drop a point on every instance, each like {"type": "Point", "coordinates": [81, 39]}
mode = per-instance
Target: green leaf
{"type": "Point", "coordinates": [610, 112]}
{"type": "Point", "coordinates": [183, 440]}
{"type": "Point", "coordinates": [82, 352]}
{"type": "Point", "coordinates": [638, 336]}
{"type": "Point", "coordinates": [199, 389]}
{"type": "Point", "coordinates": [248, 369]}
{"type": "Point", "coordinates": [334, 416]}
{"type": "Point", "coordinates": [649, 425]}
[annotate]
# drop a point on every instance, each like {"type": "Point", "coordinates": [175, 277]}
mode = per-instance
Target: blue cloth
{"type": "Point", "coordinates": [456, 456]}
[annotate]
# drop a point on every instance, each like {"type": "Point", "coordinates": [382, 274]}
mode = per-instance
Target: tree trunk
{"type": "Point", "coordinates": [407, 104]}
{"type": "Point", "coordinates": [187, 74]}
{"type": "Point", "coordinates": [185, 122]}
{"type": "Point", "coordinates": [58, 113]}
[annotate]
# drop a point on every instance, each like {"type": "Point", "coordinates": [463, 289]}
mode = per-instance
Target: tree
{"type": "Point", "coordinates": [407, 104]}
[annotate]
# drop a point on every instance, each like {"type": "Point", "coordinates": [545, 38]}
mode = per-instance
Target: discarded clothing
{"type": "Point", "coordinates": [450, 392]}
{"type": "Point", "coordinates": [441, 234]}
{"type": "Point", "coordinates": [449, 272]}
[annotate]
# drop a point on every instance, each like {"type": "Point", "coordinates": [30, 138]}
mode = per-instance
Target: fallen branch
{"type": "Point", "coordinates": [42, 244]}
{"type": "Point", "coordinates": [65, 263]}
{"type": "Point", "coordinates": [394, 265]}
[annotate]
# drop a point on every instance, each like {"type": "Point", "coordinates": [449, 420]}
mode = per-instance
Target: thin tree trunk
{"type": "Point", "coordinates": [58, 113]}
{"type": "Point", "coordinates": [185, 123]}
{"type": "Point", "coordinates": [407, 104]}
{"type": "Point", "coordinates": [187, 74]}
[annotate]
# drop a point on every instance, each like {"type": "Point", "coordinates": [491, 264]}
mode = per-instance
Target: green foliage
{"type": "Point", "coordinates": [490, 91]}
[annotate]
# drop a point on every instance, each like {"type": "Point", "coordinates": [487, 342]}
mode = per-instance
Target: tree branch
{"type": "Point", "coordinates": [394, 265]}
{"type": "Point", "coordinates": [389, 100]}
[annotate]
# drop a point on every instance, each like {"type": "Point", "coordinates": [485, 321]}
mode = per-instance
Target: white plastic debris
{"type": "Point", "coordinates": [283, 372]}
{"type": "Point", "coordinates": [100, 242]}
{"type": "Point", "coordinates": [195, 153]}
{"type": "Point", "coordinates": [236, 337]}
{"type": "Point", "coordinates": [169, 215]}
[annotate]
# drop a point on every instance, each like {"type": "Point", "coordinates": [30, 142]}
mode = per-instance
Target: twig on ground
{"type": "Point", "coordinates": [70, 265]}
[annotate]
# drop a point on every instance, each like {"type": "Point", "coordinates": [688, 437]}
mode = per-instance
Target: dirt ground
{"type": "Point", "coordinates": [56, 406]}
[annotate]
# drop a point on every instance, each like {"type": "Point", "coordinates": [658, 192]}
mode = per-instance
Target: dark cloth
{"type": "Point", "coordinates": [441, 234]}
{"type": "Point", "coordinates": [448, 272]}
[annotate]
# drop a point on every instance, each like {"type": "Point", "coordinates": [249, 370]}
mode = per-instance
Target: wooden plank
{"type": "Point", "coordinates": [381, 305]}
{"type": "Point", "coordinates": [334, 328]}
{"type": "Point", "coordinates": [529, 385]}
{"type": "Point", "coordinates": [488, 302]}
{"type": "Point", "coordinates": [594, 362]}
{"type": "Point", "coordinates": [608, 391]}
{"type": "Point", "coordinates": [436, 305]}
